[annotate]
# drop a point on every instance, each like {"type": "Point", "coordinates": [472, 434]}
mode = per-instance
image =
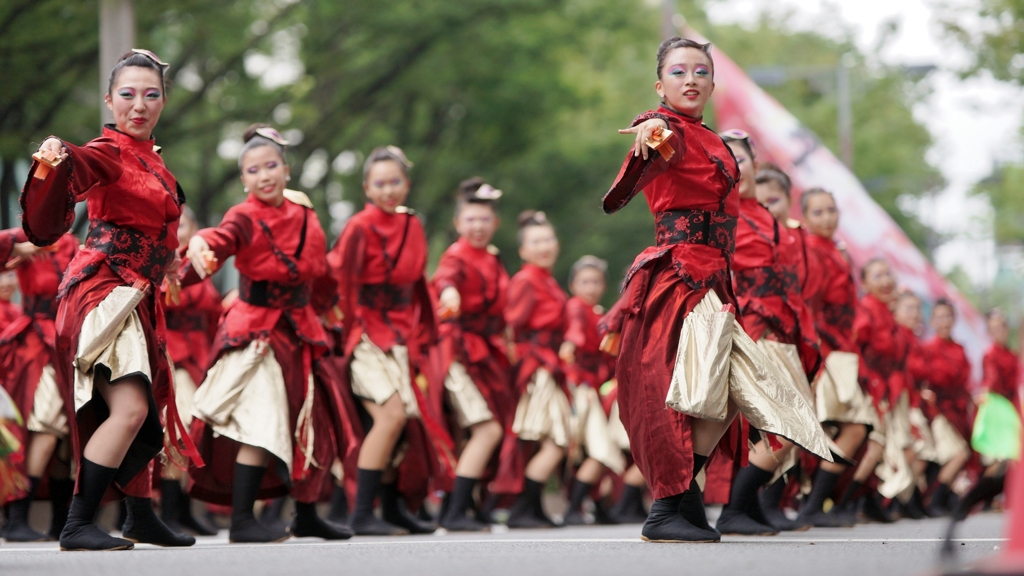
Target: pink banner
{"type": "Point", "coordinates": [865, 228]}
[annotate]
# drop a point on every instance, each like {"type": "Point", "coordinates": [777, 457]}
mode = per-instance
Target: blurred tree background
{"type": "Point", "coordinates": [526, 93]}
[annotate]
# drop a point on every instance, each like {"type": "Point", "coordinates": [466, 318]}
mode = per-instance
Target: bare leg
{"type": "Point", "coordinates": [252, 456]}
{"type": "Point", "coordinates": [950, 469]}
{"type": "Point", "coordinates": [128, 402]}
{"type": "Point", "coordinates": [388, 422]}
{"type": "Point", "coordinates": [634, 477]}
{"type": "Point", "coordinates": [850, 437]}
{"type": "Point", "coordinates": [484, 438]}
{"type": "Point", "coordinates": [590, 471]}
{"type": "Point", "coordinates": [705, 434]}
{"type": "Point", "coordinates": [544, 462]}
{"type": "Point", "coordinates": [766, 459]}
{"type": "Point", "coordinates": [40, 450]}
{"type": "Point", "coordinates": [872, 456]}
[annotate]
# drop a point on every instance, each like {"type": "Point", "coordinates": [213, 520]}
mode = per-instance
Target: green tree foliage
{"type": "Point", "coordinates": [992, 33]}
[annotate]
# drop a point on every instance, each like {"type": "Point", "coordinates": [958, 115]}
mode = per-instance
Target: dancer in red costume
{"type": "Point", "coordinates": [264, 403]}
{"type": "Point", "coordinates": [110, 331]}
{"type": "Point", "coordinates": [834, 315]}
{"type": "Point", "coordinates": [694, 200]}
{"type": "Point", "coordinates": [471, 282]}
{"type": "Point", "coordinates": [947, 403]}
{"type": "Point", "coordinates": [29, 356]}
{"type": "Point", "coordinates": [9, 311]}
{"type": "Point", "coordinates": [379, 263]}
{"type": "Point", "coordinates": [536, 315]}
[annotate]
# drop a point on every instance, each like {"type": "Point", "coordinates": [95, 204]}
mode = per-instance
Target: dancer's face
{"type": "Point", "coordinates": [774, 198]}
{"type": "Point", "coordinates": [386, 185]}
{"type": "Point", "coordinates": [539, 246]}
{"type": "Point", "coordinates": [686, 81]}
{"type": "Point", "coordinates": [8, 284]}
{"type": "Point", "coordinates": [588, 285]}
{"type": "Point", "coordinates": [477, 223]}
{"type": "Point", "coordinates": [879, 281]}
{"type": "Point", "coordinates": [998, 330]}
{"type": "Point", "coordinates": [942, 321]}
{"type": "Point", "coordinates": [265, 174]}
{"type": "Point", "coordinates": [908, 312]}
{"type": "Point", "coordinates": [748, 170]}
{"type": "Point", "coordinates": [822, 216]}
{"type": "Point", "coordinates": [137, 98]}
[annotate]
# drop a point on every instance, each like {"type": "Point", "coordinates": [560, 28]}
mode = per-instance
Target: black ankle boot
{"type": "Point", "coordinates": [394, 511]}
{"type": "Point", "coordinates": [527, 512]}
{"type": "Point", "coordinates": [987, 488]}
{"type": "Point", "coordinates": [80, 532]}
{"type": "Point", "coordinates": [630, 507]}
{"type": "Point", "coordinates": [574, 513]}
{"type": "Point", "coordinates": [811, 513]}
{"type": "Point", "coordinates": [198, 525]}
{"type": "Point", "coordinates": [61, 490]}
{"type": "Point", "coordinates": [937, 505]}
{"type": "Point", "coordinates": [454, 518]}
{"type": "Point", "coordinates": [176, 510]}
{"type": "Point", "coordinates": [665, 524]}
{"type": "Point", "coordinates": [308, 524]}
{"type": "Point", "coordinates": [771, 500]}
{"type": "Point", "coordinates": [271, 514]}
{"type": "Point", "coordinates": [143, 526]}
{"type": "Point", "coordinates": [338, 513]}
{"type": "Point", "coordinates": [364, 522]}
{"type": "Point", "coordinates": [845, 511]}
{"type": "Point", "coordinates": [18, 529]}
{"type": "Point", "coordinates": [743, 515]}
{"type": "Point", "coordinates": [691, 506]}
{"type": "Point", "coordinates": [244, 526]}
{"type": "Point", "coordinates": [871, 508]}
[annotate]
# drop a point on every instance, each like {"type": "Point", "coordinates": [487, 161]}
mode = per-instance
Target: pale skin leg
{"type": "Point", "coordinates": [872, 456]}
{"type": "Point", "coordinates": [484, 438]}
{"type": "Point", "coordinates": [252, 456]}
{"type": "Point", "coordinates": [544, 462]}
{"type": "Point", "coordinates": [766, 459]}
{"type": "Point", "coordinates": [634, 477]}
{"type": "Point", "coordinates": [950, 469]}
{"type": "Point", "coordinates": [129, 405]}
{"type": "Point", "coordinates": [40, 450]}
{"type": "Point", "coordinates": [850, 437]}
{"type": "Point", "coordinates": [388, 423]}
{"type": "Point", "coordinates": [705, 434]}
{"type": "Point", "coordinates": [590, 471]}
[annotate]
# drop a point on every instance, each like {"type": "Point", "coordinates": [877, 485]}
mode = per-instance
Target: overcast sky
{"type": "Point", "coordinates": [974, 122]}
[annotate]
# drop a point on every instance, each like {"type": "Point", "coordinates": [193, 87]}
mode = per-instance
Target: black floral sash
{"type": "Point", "coordinates": [385, 296]}
{"type": "Point", "coordinates": [131, 249]}
{"type": "Point", "coordinates": [766, 281]}
{"type": "Point", "coordinates": [715, 229]}
{"type": "Point", "coordinates": [267, 294]}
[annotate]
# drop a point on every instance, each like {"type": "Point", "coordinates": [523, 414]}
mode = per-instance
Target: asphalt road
{"type": "Point", "coordinates": [906, 547]}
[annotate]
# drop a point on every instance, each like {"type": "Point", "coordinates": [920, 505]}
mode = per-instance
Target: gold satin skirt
{"type": "Point", "coordinates": [48, 415]}
{"type": "Point", "coordinates": [465, 398]}
{"type": "Point", "coordinates": [924, 442]}
{"type": "Point", "coordinates": [948, 442]}
{"type": "Point", "coordinates": [838, 397]}
{"type": "Point", "coordinates": [594, 430]}
{"type": "Point", "coordinates": [378, 375]}
{"type": "Point", "coordinates": [244, 398]}
{"type": "Point", "coordinates": [112, 335]}
{"type": "Point", "coordinates": [543, 411]}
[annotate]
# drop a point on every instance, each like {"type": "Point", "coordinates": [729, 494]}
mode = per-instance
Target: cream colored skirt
{"type": "Point", "coordinates": [543, 411]}
{"type": "Point", "coordinates": [465, 398]}
{"type": "Point", "coordinates": [184, 390]}
{"type": "Point", "coordinates": [378, 375]}
{"type": "Point", "coordinates": [48, 415]}
{"type": "Point", "coordinates": [244, 398]}
{"type": "Point", "coordinates": [594, 432]}
{"type": "Point", "coordinates": [616, 431]}
{"type": "Point", "coordinates": [924, 442]}
{"type": "Point", "coordinates": [838, 397]}
{"type": "Point", "coordinates": [948, 442]}
{"type": "Point", "coordinates": [893, 469]}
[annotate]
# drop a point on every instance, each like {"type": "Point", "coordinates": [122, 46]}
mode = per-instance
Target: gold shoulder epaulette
{"type": "Point", "coordinates": [493, 250]}
{"type": "Point", "coordinates": [792, 223]}
{"type": "Point", "coordinates": [405, 210]}
{"type": "Point", "coordinates": [299, 198]}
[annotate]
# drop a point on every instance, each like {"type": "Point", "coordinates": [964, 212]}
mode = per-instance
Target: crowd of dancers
{"type": "Point", "coordinates": [738, 367]}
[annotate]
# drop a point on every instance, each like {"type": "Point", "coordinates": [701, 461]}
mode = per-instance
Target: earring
{"type": "Point", "coordinates": [287, 178]}
{"type": "Point", "coordinates": [245, 189]}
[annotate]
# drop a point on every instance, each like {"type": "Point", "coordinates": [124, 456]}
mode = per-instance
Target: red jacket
{"type": "Point", "coordinates": [592, 367]}
{"type": "Point", "coordinates": [878, 341]}
{"type": "Point", "coordinates": [999, 371]}
{"type": "Point", "coordinates": [191, 324]}
{"type": "Point", "coordinates": [949, 374]}
{"type": "Point", "coordinates": [536, 314]}
{"type": "Point", "coordinates": [836, 310]}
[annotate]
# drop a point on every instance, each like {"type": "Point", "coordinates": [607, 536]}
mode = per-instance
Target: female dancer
{"type": "Point", "coordinates": [109, 323]}
{"type": "Point", "coordinates": [29, 355]}
{"type": "Point", "coordinates": [588, 368]}
{"type": "Point", "coordinates": [192, 315]}
{"type": "Point", "coordinates": [696, 206]}
{"type": "Point", "coordinates": [471, 282]}
{"type": "Point", "coordinates": [536, 315]}
{"type": "Point", "coordinates": [947, 402]}
{"type": "Point", "coordinates": [263, 404]}
{"type": "Point", "coordinates": [907, 313]}
{"type": "Point", "coordinates": [834, 318]}
{"type": "Point", "coordinates": [766, 282]}
{"type": "Point", "coordinates": [379, 264]}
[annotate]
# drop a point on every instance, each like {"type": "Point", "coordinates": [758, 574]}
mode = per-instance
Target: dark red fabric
{"type": "Point", "coordinates": [878, 343]}
{"type": "Point", "coordinates": [999, 371]}
{"type": "Point", "coordinates": [191, 325]}
{"type": "Point", "coordinates": [949, 374]}
{"type": "Point", "coordinates": [592, 367]}
{"type": "Point", "coordinates": [916, 366]}
{"type": "Point", "coordinates": [669, 281]}
{"type": "Point", "coordinates": [9, 312]}
{"type": "Point", "coordinates": [837, 308]}
{"type": "Point", "coordinates": [809, 268]}
{"type": "Point", "coordinates": [128, 190]}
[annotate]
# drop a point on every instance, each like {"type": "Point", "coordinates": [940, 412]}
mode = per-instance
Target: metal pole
{"type": "Point", "coordinates": [117, 36]}
{"type": "Point", "coordinates": [845, 109]}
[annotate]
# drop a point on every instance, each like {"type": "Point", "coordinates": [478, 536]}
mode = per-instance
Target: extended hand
{"type": "Point", "coordinates": [643, 132]}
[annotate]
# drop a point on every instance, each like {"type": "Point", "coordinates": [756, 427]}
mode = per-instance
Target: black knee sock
{"type": "Point", "coordinates": [245, 490]}
{"type": "Point", "coordinates": [940, 497]}
{"type": "Point", "coordinates": [824, 483]}
{"type": "Point", "coordinates": [61, 490]}
{"type": "Point", "coordinates": [93, 481]}
{"type": "Point", "coordinates": [305, 511]}
{"type": "Point", "coordinates": [771, 497]}
{"type": "Point", "coordinates": [745, 486]}
{"type": "Point", "coordinates": [461, 497]}
{"type": "Point", "coordinates": [632, 497]}
{"type": "Point", "coordinates": [170, 500]}
{"type": "Point", "coordinates": [368, 482]}
{"type": "Point", "coordinates": [578, 492]}
{"type": "Point", "coordinates": [698, 464]}
{"type": "Point", "coordinates": [19, 508]}
{"type": "Point", "coordinates": [851, 492]}
{"type": "Point", "coordinates": [339, 505]}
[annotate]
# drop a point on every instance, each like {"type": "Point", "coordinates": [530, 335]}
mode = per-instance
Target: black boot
{"type": "Point", "coordinates": [691, 506]}
{"type": "Point", "coordinates": [454, 518]}
{"type": "Point", "coordinates": [938, 505]}
{"type": "Point", "coordinates": [915, 507]}
{"type": "Point", "coordinates": [630, 507]}
{"type": "Point", "coordinates": [80, 532]}
{"type": "Point", "coordinates": [574, 513]}
{"type": "Point", "coordinates": [201, 526]}
{"type": "Point", "coordinates": [143, 526]}
{"type": "Point", "coordinates": [665, 524]}
{"type": "Point", "coordinates": [244, 526]}
{"type": "Point", "coordinates": [811, 513]}
{"type": "Point", "coordinates": [393, 510]}
{"type": "Point", "coordinates": [845, 510]}
{"type": "Point", "coordinates": [987, 488]}
{"type": "Point", "coordinates": [742, 515]}
{"type": "Point", "coordinates": [308, 524]}
{"type": "Point", "coordinates": [771, 499]}
{"type": "Point", "coordinates": [61, 490]}
{"type": "Point", "coordinates": [601, 515]}
{"type": "Point", "coordinates": [524, 513]}
{"type": "Point", "coordinates": [176, 510]}
{"type": "Point", "coordinates": [871, 508]}
{"type": "Point", "coordinates": [363, 522]}
{"type": "Point", "coordinates": [18, 529]}
{"type": "Point", "coordinates": [272, 512]}
{"type": "Point", "coordinates": [338, 513]}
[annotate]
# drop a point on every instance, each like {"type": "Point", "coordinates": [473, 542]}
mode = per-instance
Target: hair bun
{"type": "Point", "coordinates": [531, 218]}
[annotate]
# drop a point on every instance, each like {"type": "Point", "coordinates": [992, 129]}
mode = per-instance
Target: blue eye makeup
{"type": "Point", "coordinates": [126, 93]}
{"type": "Point", "coordinates": [701, 71]}
{"type": "Point", "coordinates": [152, 94]}
{"type": "Point", "coordinates": [677, 71]}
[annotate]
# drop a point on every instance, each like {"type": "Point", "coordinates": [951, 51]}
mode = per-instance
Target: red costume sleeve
{"type": "Point", "coordinates": [990, 380]}
{"type": "Point", "coordinates": [612, 320]}
{"type": "Point", "coordinates": [576, 318]}
{"type": "Point", "coordinates": [636, 173]}
{"type": "Point", "coordinates": [345, 261]}
{"type": "Point", "coordinates": [449, 274]}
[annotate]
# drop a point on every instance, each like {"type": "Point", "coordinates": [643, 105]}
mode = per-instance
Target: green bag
{"type": "Point", "coordinates": [997, 428]}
